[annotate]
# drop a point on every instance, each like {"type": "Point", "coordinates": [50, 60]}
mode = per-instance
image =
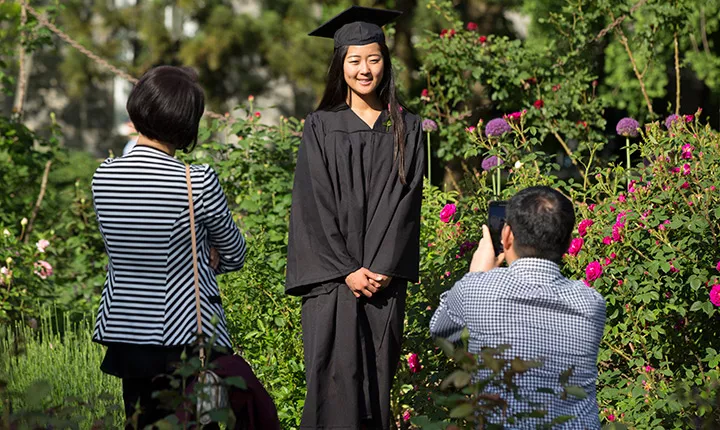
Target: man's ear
{"type": "Point", "coordinates": [507, 238]}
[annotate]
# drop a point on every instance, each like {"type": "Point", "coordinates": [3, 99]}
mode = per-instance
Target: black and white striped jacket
{"type": "Point", "coordinates": [141, 205]}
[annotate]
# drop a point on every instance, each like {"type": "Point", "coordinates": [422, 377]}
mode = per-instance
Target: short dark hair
{"type": "Point", "coordinates": [166, 105]}
{"type": "Point", "coordinates": [542, 221]}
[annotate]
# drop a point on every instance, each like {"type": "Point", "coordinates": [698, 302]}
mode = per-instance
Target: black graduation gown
{"type": "Point", "coordinates": [349, 210]}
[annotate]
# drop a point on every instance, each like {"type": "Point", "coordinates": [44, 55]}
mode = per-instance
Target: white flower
{"type": "Point", "coordinates": [6, 232]}
{"type": "Point", "coordinates": [518, 164]}
{"type": "Point", "coordinates": [23, 222]}
{"type": "Point", "coordinates": [8, 261]}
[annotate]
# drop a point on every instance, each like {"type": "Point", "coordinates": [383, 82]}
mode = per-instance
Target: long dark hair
{"type": "Point", "coordinates": [336, 92]}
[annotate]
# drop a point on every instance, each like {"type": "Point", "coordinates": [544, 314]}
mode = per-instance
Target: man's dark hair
{"type": "Point", "coordinates": [166, 105]}
{"type": "Point", "coordinates": [542, 220]}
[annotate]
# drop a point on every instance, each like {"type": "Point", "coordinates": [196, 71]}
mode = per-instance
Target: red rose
{"type": "Point", "coordinates": [482, 39]}
{"type": "Point", "coordinates": [471, 26]}
{"type": "Point", "coordinates": [538, 104]}
{"type": "Point", "coordinates": [424, 93]}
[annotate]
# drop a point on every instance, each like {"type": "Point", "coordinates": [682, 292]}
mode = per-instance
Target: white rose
{"type": "Point", "coordinates": [518, 164]}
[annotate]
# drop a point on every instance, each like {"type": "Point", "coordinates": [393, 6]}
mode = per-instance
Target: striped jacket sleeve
{"type": "Point", "coordinates": [223, 233]}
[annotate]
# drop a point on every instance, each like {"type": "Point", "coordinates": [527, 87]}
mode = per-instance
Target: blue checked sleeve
{"type": "Point", "coordinates": [449, 320]}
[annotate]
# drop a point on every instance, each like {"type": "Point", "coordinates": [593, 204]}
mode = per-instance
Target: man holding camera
{"type": "Point", "coordinates": [533, 308]}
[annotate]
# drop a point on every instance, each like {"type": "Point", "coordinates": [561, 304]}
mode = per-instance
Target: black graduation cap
{"type": "Point", "coordinates": [357, 25]}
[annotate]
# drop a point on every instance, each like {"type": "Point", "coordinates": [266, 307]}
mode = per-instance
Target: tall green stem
{"type": "Point", "coordinates": [494, 183]}
{"type": "Point", "coordinates": [627, 153]}
{"type": "Point", "coordinates": [498, 180]}
{"type": "Point", "coordinates": [429, 156]}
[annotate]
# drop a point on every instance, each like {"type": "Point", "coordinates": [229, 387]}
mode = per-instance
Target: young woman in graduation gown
{"type": "Point", "coordinates": [354, 228]}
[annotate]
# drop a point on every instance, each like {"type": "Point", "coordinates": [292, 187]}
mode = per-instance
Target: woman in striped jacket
{"type": "Point", "coordinates": [147, 311]}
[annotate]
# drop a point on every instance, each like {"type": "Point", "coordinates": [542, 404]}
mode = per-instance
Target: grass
{"type": "Point", "coordinates": [53, 377]}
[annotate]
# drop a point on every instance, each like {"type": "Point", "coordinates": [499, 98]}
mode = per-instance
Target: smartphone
{"type": "Point", "coordinates": [496, 222]}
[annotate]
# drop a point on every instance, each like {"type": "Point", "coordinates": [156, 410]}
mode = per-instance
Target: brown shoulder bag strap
{"type": "Point", "coordinates": [195, 258]}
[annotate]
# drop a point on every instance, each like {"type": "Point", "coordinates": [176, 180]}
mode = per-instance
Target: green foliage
{"type": "Point", "coordinates": [513, 75]}
{"type": "Point", "coordinates": [64, 217]}
{"type": "Point", "coordinates": [50, 376]}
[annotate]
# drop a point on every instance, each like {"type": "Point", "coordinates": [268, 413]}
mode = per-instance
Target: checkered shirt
{"type": "Point", "coordinates": [543, 316]}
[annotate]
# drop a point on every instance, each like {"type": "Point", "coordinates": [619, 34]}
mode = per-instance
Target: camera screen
{"type": "Point", "coordinates": [496, 221]}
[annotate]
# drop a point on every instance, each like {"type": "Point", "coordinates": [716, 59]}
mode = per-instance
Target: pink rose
{"type": "Point", "coordinates": [686, 169]}
{"type": "Point", "coordinates": [717, 267]}
{"type": "Point", "coordinates": [611, 417]}
{"type": "Point", "coordinates": [685, 185]}
{"type": "Point", "coordinates": [715, 295]}
{"type": "Point", "coordinates": [621, 198]}
{"type": "Point", "coordinates": [575, 246]}
{"type": "Point", "coordinates": [583, 226]}
{"type": "Point", "coordinates": [414, 362]}
{"type": "Point", "coordinates": [607, 240]}
{"type": "Point", "coordinates": [616, 236]}
{"type": "Point", "coordinates": [631, 187]}
{"type": "Point", "coordinates": [44, 269]}
{"type": "Point", "coordinates": [406, 415]}
{"type": "Point", "coordinates": [41, 245]}
{"type": "Point", "coordinates": [591, 207]}
{"type": "Point", "coordinates": [593, 271]}
{"type": "Point", "coordinates": [447, 212]}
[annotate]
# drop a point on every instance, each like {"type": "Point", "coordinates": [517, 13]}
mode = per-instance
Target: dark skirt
{"type": "Point", "coordinates": [145, 369]}
{"type": "Point", "coordinates": [140, 361]}
{"type": "Point", "coordinates": [352, 349]}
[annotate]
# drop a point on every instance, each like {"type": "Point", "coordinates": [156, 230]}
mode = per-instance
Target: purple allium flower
{"type": "Point", "coordinates": [491, 162]}
{"type": "Point", "coordinates": [497, 127]}
{"type": "Point", "coordinates": [670, 120]}
{"type": "Point", "coordinates": [627, 127]}
{"type": "Point", "coordinates": [429, 125]}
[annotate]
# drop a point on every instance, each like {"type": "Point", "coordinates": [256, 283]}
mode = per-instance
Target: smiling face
{"type": "Point", "coordinates": [363, 68]}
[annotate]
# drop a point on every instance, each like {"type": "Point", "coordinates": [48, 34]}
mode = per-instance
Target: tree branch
{"type": "Point", "coordinates": [624, 43]}
{"type": "Point", "coordinates": [568, 152]}
{"type": "Point", "coordinates": [43, 187]}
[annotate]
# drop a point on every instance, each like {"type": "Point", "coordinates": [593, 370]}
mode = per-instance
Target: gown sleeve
{"type": "Point", "coordinates": [317, 251]}
{"type": "Point", "coordinates": [397, 253]}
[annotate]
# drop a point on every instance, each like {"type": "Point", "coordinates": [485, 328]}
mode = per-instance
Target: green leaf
{"type": "Point", "coordinates": [575, 391]}
{"type": "Point", "coordinates": [461, 411]}
{"type": "Point", "coordinates": [446, 346]}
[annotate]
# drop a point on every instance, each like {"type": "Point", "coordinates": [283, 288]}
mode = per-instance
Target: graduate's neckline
{"type": "Point", "coordinates": [359, 118]}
